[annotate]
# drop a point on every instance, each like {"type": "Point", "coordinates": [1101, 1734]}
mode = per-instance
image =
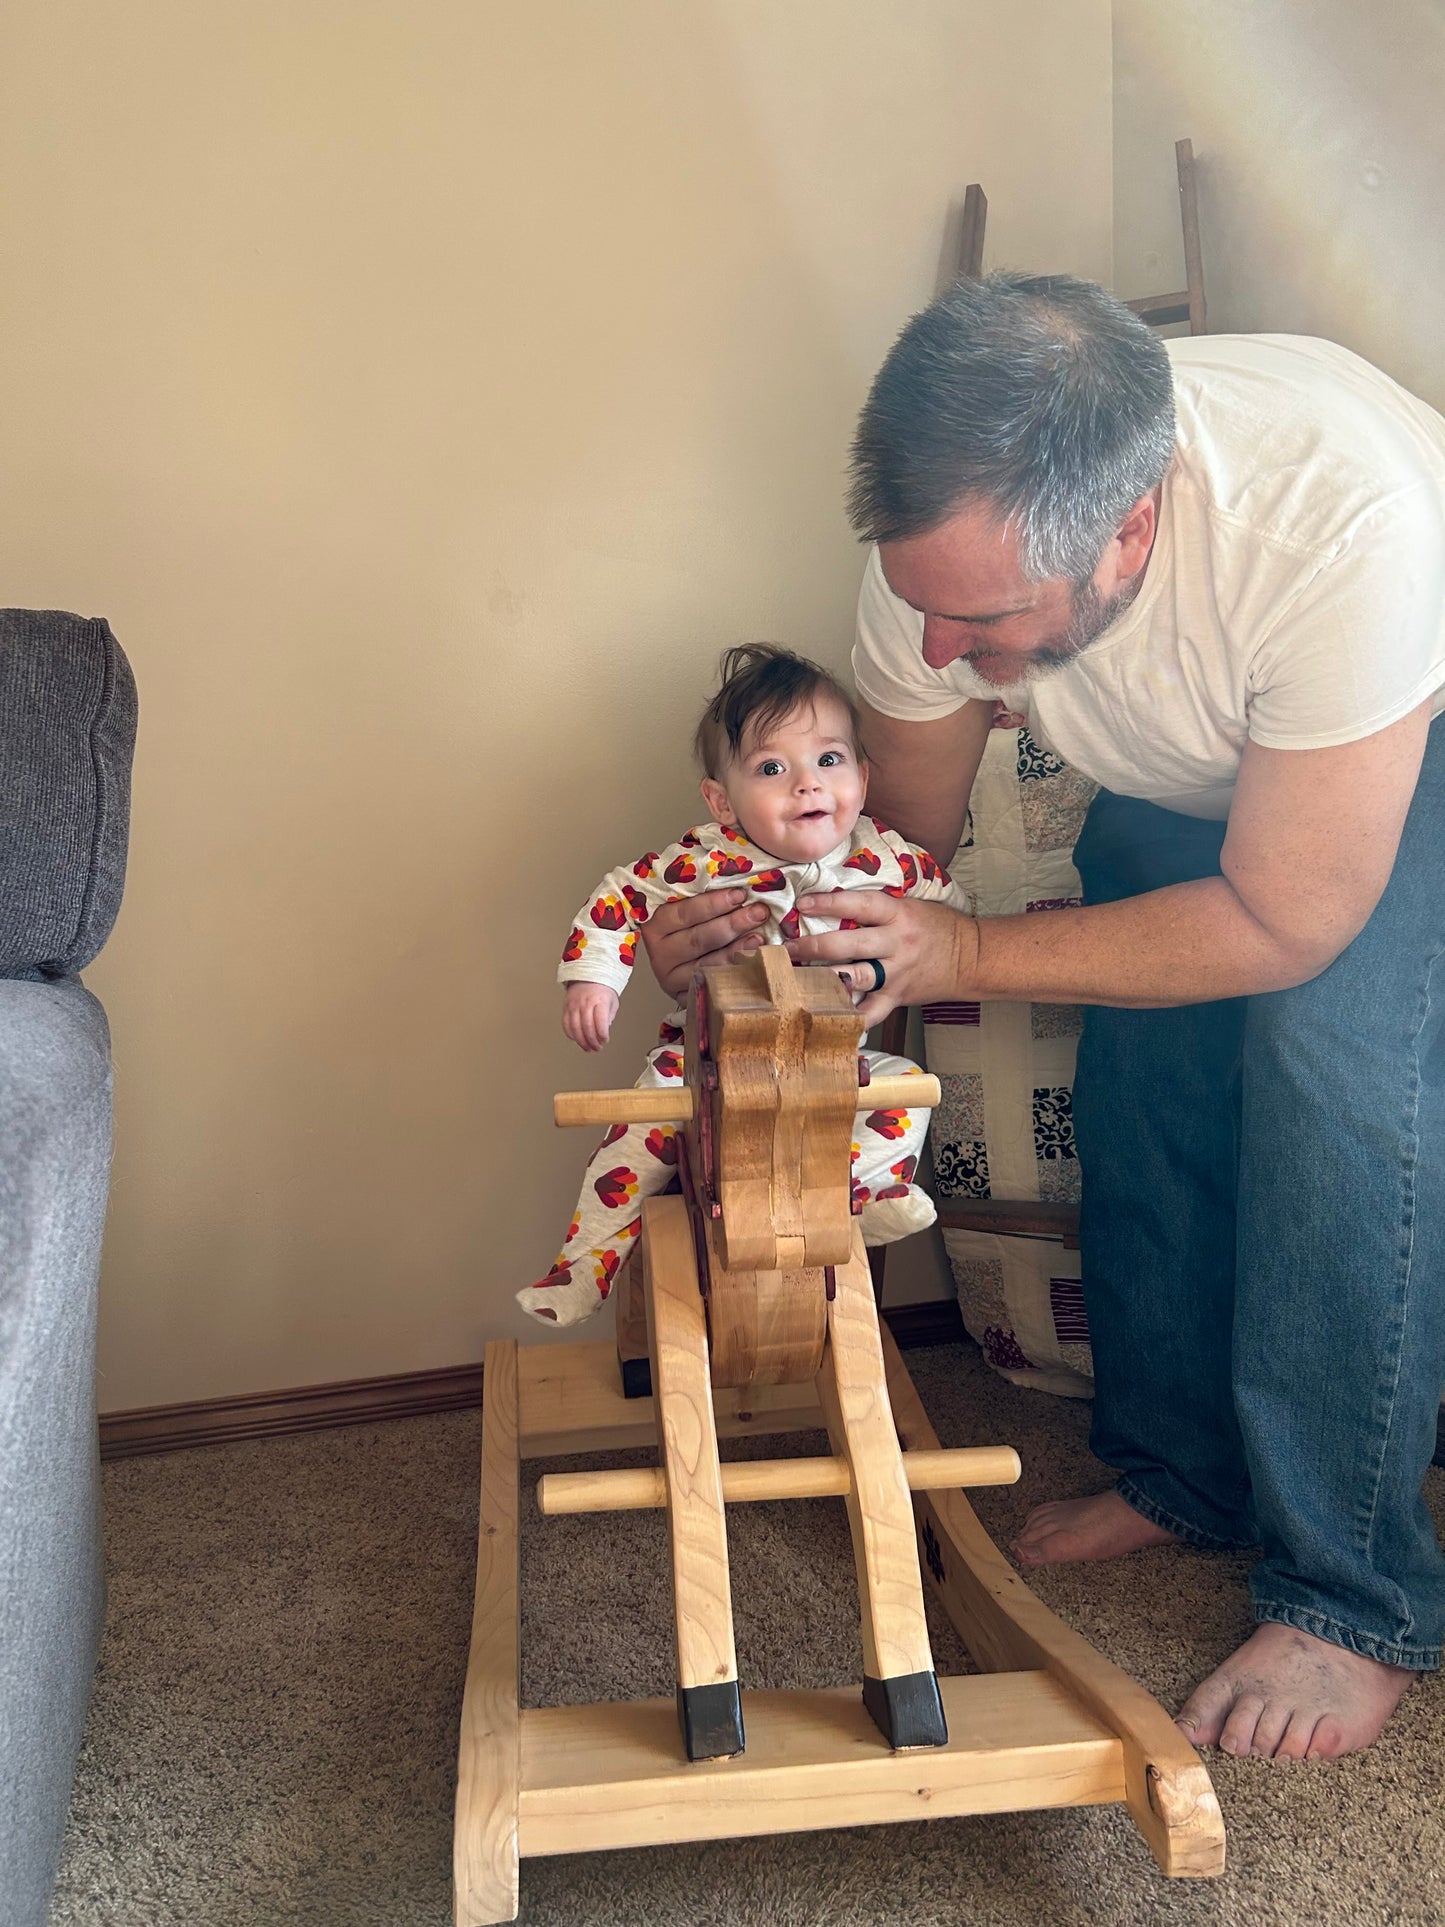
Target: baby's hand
{"type": "Point", "coordinates": [587, 1013]}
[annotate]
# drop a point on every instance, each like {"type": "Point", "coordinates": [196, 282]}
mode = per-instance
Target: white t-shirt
{"type": "Point", "coordinates": [1295, 593]}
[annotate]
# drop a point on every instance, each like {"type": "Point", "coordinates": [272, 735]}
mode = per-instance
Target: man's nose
{"type": "Point", "coordinates": [943, 642]}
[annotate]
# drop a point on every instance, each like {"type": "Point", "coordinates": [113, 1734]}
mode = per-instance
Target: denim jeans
{"type": "Point", "coordinates": [1263, 1244]}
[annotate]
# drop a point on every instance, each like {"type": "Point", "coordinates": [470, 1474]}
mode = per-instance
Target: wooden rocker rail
{"type": "Point", "coordinates": [760, 1317]}
{"type": "Point", "coordinates": [1048, 1722]}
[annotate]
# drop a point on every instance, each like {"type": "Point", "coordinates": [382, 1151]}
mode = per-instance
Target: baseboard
{"type": "Point", "coordinates": [302, 1408]}
{"type": "Point", "coordinates": [366, 1401]}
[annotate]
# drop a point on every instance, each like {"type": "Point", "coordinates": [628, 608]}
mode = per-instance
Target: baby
{"type": "Point", "coordinates": [784, 786]}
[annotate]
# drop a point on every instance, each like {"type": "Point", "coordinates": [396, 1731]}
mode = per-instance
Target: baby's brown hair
{"type": "Point", "coordinates": [761, 686]}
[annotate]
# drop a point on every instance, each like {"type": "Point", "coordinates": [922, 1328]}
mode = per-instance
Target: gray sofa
{"type": "Point", "coordinates": [67, 728]}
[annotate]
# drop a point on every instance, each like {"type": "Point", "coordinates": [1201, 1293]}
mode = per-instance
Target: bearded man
{"type": "Point", "coordinates": [1212, 573]}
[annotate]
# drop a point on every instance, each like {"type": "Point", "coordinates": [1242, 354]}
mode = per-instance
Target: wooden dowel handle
{"type": "Point", "coordinates": [624, 1107]}
{"type": "Point", "coordinates": [658, 1106]}
{"type": "Point", "coordinates": [906, 1093]}
{"type": "Point", "coordinates": [644, 1488]}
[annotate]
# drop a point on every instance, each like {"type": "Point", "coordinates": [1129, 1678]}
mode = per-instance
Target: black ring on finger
{"type": "Point", "coordinates": [880, 975]}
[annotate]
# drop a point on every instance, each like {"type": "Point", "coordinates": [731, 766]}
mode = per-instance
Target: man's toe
{"type": "Point", "coordinates": [1031, 1549]}
{"type": "Point", "coordinates": [1329, 1740]}
{"type": "Point", "coordinates": [1202, 1716]}
{"type": "Point", "coordinates": [1270, 1728]}
{"type": "Point", "coordinates": [1040, 1519]}
{"type": "Point", "coordinates": [1037, 1528]}
{"type": "Point", "coordinates": [1237, 1733]}
{"type": "Point", "coordinates": [1298, 1734]}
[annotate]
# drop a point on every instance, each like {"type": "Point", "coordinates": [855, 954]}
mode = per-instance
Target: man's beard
{"type": "Point", "coordinates": [1090, 614]}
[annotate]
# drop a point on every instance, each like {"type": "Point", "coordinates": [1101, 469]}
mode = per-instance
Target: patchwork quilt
{"type": "Point", "coordinates": [1005, 1127]}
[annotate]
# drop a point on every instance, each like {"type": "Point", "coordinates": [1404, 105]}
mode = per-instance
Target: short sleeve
{"type": "Point", "coordinates": [1362, 642]}
{"type": "Point", "coordinates": [889, 672]}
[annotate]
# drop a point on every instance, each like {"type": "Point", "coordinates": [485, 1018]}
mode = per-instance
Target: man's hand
{"type": "Point", "coordinates": [715, 927]}
{"type": "Point", "coordinates": [927, 951]}
{"type": "Point", "coordinates": [587, 1013]}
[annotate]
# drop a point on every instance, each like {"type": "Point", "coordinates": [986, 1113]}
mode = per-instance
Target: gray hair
{"type": "Point", "coordinates": [1040, 395]}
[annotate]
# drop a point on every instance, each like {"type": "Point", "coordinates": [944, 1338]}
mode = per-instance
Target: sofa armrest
{"type": "Point", "coordinates": [67, 733]}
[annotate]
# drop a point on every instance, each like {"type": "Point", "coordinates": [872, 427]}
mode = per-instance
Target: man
{"type": "Point", "coordinates": [1214, 576]}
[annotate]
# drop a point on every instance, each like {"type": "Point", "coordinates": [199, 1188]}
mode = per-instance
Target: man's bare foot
{"type": "Point", "coordinates": [1286, 1695]}
{"type": "Point", "coordinates": [1102, 1527]}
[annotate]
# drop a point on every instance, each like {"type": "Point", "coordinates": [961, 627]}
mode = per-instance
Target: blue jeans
{"type": "Point", "coordinates": [1263, 1245]}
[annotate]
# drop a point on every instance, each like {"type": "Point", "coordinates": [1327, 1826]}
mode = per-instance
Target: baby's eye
{"type": "Point", "coordinates": [829, 758]}
{"type": "Point", "coordinates": [771, 768]}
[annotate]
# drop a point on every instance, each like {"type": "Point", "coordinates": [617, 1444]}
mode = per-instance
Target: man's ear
{"type": "Point", "coordinates": [1135, 536]}
{"type": "Point", "coordinates": [716, 798]}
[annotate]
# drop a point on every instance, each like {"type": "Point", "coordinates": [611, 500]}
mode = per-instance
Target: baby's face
{"type": "Point", "coordinates": [798, 791]}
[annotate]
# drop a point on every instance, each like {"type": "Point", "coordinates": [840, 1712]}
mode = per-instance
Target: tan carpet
{"type": "Point", "coordinates": [274, 1722]}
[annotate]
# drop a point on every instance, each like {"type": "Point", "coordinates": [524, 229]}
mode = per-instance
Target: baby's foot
{"type": "Point", "coordinates": [569, 1293]}
{"type": "Point", "coordinates": [896, 1213]}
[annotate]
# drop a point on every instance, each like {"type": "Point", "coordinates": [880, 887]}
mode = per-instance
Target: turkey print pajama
{"type": "Point", "coordinates": [639, 1161]}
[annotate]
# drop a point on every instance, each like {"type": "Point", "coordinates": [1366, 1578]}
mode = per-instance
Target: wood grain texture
{"type": "Point", "coordinates": [1007, 1628]}
{"type": "Point", "coordinates": [764, 1327]}
{"type": "Point", "coordinates": [484, 1840]}
{"type": "Point", "coordinates": [687, 1436]}
{"type": "Point", "coordinates": [785, 1042]}
{"type": "Point", "coordinates": [597, 1777]}
{"type": "Point", "coordinates": [571, 1401]}
{"type": "Point", "coordinates": [911, 1091]}
{"type": "Point", "coordinates": [644, 1488]}
{"type": "Point", "coordinates": [651, 1105]}
{"type": "Point", "coordinates": [852, 1391]}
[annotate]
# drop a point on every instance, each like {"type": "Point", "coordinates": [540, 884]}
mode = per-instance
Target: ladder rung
{"type": "Point", "coordinates": [1160, 309]}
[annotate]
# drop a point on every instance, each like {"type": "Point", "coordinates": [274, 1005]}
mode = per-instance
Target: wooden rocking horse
{"type": "Point", "coordinates": [761, 1318]}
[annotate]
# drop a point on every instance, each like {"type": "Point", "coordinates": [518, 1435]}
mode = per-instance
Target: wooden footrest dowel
{"type": "Point", "coordinates": [642, 1488]}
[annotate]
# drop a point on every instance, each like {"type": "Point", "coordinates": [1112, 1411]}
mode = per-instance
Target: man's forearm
{"type": "Point", "coordinates": [1191, 943]}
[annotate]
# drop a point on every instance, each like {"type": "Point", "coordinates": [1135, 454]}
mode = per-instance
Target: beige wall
{"type": "Point", "coordinates": [1319, 131]}
{"type": "Point", "coordinates": [427, 394]}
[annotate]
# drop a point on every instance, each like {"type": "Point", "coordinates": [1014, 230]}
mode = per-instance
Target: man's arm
{"type": "Point", "coordinates": [920, 774]}
{"type": "Point", "coordinates": [1311, 842]}
{"type": "Point", "coordinates": [1312, 839]}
